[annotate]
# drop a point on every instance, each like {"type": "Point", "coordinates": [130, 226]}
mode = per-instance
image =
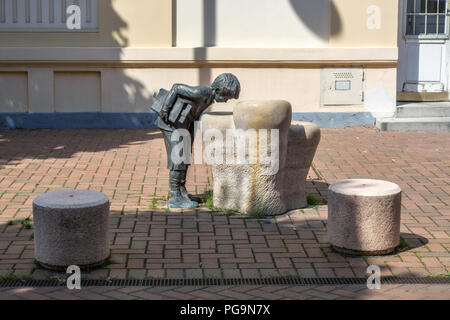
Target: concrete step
{"type": "Point", "coordinates": [414, 124]}
{"type": "Point", "coordinates": [424, 110]}
{"type": "Point", "coordinates": [422, 96]}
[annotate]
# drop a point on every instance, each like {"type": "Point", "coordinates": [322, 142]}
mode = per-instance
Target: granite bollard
{"type": "Point", "coordinates": [71, 228]}
{"type": "Point", "coordinates": [364, 216]}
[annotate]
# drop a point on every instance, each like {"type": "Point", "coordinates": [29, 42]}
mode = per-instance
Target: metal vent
{"type": "Point", "coordinates": [342, 87]}
{"type": "Point", "coordinates": [221, 282]}
{"type": "Point", "coordinates": [343, 75]}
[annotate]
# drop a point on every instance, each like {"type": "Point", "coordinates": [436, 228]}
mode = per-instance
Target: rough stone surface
{"type": "Point", "coordinates": [71, 228]}
{"type": "Point", "coordinates": [364, 216]}
{"type": "Point", "coordinates": [245, 187]}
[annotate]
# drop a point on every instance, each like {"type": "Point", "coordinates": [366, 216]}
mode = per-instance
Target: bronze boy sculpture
{"type": "Point", "coordinates": [178, 109]}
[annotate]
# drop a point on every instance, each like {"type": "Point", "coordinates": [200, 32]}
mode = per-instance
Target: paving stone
{"type": "Point", "coordinates": [119, 163]}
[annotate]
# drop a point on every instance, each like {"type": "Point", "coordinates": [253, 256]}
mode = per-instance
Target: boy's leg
{"type": "Point", "coordinates": [176, 176]}
{"type": "Point", "coordinates": [167, 135]}
{"type": "Point", "coordinates": [183, 179]}
{"type": "Point", "coordinates": [177, 200]}
{"type": "Point", "coordinates": [184, 191]}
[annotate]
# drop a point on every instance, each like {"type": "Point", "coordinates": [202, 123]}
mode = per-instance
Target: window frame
{"type": "Point", "coordinates": [445, 36]}
{"type": "Point", "coordinates": [50, 28]}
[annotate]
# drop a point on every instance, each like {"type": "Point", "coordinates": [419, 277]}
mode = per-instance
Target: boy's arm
{"type": "Point", "coordinates": [180, 90]}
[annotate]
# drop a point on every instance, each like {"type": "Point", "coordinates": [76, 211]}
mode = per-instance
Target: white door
{"type": "Point", "coordinates": [424, 48]}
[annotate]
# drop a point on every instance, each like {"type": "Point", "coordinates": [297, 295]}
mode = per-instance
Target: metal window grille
{"type": "Point", "coordinates": [45, 15]}
{"type": "Point", "coordinates": [427, 19]}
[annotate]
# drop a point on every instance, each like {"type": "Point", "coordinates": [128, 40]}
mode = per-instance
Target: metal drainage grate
{"type": "Point", "coordinates": [222, 282]}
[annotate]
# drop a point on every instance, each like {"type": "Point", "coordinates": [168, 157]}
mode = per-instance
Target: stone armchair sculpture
{"type": "Point", "coordinates": [246, 187]}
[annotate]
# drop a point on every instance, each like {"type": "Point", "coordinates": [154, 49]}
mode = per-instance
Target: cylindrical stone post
{"type": "Point", "coordinates": [364, 216]}
{"type": "Point", "coordinates": [71, 228]}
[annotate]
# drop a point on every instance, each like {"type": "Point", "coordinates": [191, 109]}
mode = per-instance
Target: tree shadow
{"type": "Point", "coordinates": [307, 12]}
{"type": "Point", "coordinates": [315, 224]}
{"type": "Point", "coordinates": [133, 93]}
{"type": "Point", "coordinates": [318, 189]}
{"type": "Point", "coordinates": [121, 93]}
{"type": "Point", "coordinates": [141, 236]}
{"type": "Point", "coordinates": [17, 145]}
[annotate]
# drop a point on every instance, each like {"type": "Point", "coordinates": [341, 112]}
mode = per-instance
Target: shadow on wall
{"type": "Point", "coordinates": [306, 11]}
{"type": "Point", "coordinates": [129, 93]}
{"type": "Point", "coordinates": [209, 40]}
{"type": "Point", "coordinates": [93, 96]}
{"type": "Point", "coordinates": [132, 94]}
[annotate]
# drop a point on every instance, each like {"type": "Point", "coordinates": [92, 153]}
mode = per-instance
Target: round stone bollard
{"type": "Point", "coordinates": [71, 228]}
{"type": "Point", "coordinates": [364, 216]}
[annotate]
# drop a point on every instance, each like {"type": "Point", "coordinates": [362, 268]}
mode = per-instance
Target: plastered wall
{"type": "Point", "coordinates": [363, 23]}
{"type": "Point", "coordinates": [139, 23]}
{"type": "Point", "coordinates": [335, 29]}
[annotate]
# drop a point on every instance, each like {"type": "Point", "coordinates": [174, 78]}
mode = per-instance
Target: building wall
{"type": "Point", "coordinates": [253, 23]}
{"type": "Point", "coordinates": [277, 52]}
{"type": "Point", "coordinates": [122, 23]}
{"type": "Point", "coordinates": [286, 23]}
{"type": "Point", "coordinates": [353, 23]}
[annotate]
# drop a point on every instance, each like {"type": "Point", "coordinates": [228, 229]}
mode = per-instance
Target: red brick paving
{"type": "Point", "coordinates": [340, 292]}
{"type": "Point", "coordinates": [129, 167]}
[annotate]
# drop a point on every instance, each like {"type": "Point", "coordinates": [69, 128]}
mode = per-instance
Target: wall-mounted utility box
{"type": "Point", "coordinates": [342, 86]}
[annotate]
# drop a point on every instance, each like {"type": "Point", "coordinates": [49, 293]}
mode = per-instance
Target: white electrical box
{"type": "Point", "coordinates": [342, 86]}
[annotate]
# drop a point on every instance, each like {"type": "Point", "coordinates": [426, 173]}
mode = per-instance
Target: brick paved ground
{"type": "Point", "coordinates": [341, 292]}
{"type": "Point", "coordinates": [129, 167]}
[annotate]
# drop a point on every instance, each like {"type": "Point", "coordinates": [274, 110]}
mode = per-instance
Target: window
{"type": "Point", "coordinates": [426, 19]}
{"type": "Point", "coordinates": [45, 15]}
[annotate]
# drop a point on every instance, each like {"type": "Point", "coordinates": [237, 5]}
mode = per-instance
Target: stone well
{"type": "Point", "coordinates": [256, 187]}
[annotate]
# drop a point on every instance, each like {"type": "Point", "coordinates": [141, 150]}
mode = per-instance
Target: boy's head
{"type": "Point", "coordinates": [226, 86]}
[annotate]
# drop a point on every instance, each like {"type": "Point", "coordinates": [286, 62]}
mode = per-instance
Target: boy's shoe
{"type": "Point", "coordinates": [186, 195]}
{"type": "Point", "coordinates": [178, 201]}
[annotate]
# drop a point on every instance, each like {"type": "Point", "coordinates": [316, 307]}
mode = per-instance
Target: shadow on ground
{"type": "Point", "coordinates": [318, 189]}
{"type": "Point", "coordinates": [410, 241]}
{"type": "Point", "coordinates": [144, 241]}
{"type": "Point", "coordinates": [16, 145]}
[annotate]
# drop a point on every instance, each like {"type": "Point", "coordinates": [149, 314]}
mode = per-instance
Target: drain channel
{"type": "Point", "coordinates": [221, 282]}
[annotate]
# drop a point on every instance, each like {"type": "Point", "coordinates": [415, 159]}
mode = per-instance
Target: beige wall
{"type": "Point", "coordinates": [349, 23]}
{"type": "Point", "coordinates": [77, 91]}
{"type": "Point", "coordinates": [289, 23]}
{"type": "Point", "coordinates": [253, 23]}
{"type": "Point", "coordinates": [148, 23]}
{"type": "Point", "coordinates": [139, 23]}
{"type": "Point", "coordinates": [123, 79]}
{"type": "Point", "coordinates": [65, 89]}
{"type": "Point", "coordinates": [13, 91]}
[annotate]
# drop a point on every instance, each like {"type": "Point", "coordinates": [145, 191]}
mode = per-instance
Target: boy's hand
{"type": "Point", "coordinates": [165, 115]}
